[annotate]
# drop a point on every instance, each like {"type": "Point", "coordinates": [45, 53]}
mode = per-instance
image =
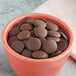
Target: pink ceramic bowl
{"type": "Point", "coordinates": [24, 66]}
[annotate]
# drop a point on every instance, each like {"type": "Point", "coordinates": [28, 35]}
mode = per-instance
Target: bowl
{"type": "Point", "coordinates": [24, 66]}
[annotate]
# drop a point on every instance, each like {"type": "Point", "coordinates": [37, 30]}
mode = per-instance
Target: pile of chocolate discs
{"type": "Point", "coordinates": [37, 38]}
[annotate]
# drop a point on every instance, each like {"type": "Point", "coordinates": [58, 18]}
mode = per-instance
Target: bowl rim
{"type": "Point", "coordinates": [18, 56]}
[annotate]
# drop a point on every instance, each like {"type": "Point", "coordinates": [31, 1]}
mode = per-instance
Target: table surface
{"type": "Point", "coordinates": [10, 9]}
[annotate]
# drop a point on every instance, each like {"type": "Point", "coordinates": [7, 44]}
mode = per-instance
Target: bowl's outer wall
{"type": "Point", "coordinates": [27, 68]}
